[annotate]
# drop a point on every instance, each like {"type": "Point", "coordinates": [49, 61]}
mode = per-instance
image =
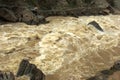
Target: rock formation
{"type": "Point", "coordinates": [35, 12]}
{"type": "Point", "coordinates": [18, 11]}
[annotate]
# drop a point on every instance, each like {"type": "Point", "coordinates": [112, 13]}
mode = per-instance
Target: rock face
{"type": "Point", "coordinates": [117, 4]}
{"type": "Point", "coordinates": [64, 49]}
{"type": "Point", "coordinates": [35, 12]}
{"type": "Point", "coordinates": [18, 11]}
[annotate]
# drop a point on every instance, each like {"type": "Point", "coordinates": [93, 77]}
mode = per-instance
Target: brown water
{"type": "Point", "coordinates": [64, 49]}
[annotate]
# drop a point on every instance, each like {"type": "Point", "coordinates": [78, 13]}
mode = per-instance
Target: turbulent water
{"type": "Point", "coordinates": [64, 49]}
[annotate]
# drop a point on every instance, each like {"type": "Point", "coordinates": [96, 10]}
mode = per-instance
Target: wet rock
{"type": "Point", "coordinates": [6, 76]}
{"type": "Point", "coordinates": [96, 25]}
{"type": "Point", "coordinates": [26, 68]}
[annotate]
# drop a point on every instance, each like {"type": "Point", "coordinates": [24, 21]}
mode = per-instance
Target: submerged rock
{"type": "Point", "coordinates": [110, 74]}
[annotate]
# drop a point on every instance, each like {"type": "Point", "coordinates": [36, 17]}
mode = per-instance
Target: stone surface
{"type": "Point", "coordinates": [64, 49]}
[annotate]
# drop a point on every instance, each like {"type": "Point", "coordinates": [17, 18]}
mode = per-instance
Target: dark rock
{"type": "Point", "coordinates": [26, 68]}
{"type": "Point", "coordinates": [22, 67]}
{"type": "Point", "coordinates": [18, 11]}
{"type": "Point", "coordinates": [7, 15]}
{"type": "Point", "coordinates": [96, 25]}
{"type": "Point", "coordinates": [6, 76]}
{"type": "Point", "coordinates": [116, 66]}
